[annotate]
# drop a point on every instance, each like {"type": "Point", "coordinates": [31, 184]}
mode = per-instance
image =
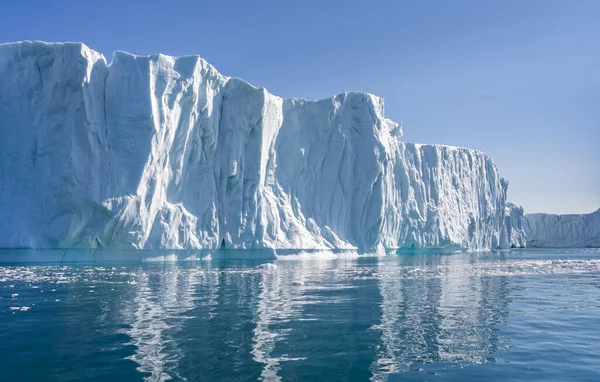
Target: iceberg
{"type": "Point", "coordinates": [513, 233]}
{"type": "Point", "coordinates": [544, 230]}
{"type": "Point", "coordinates": [160, 152]}
{"type": "Point", "coordinates": [563, 231]}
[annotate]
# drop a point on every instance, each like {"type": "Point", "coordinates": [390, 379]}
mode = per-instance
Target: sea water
{"type": "Point", "coordinates": [517, 315]}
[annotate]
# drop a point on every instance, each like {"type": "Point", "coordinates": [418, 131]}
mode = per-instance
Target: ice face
{"type": "Point", "coordinates": [549, 230]}
{"type": "Point", "coordinates": [165, 152]}
{"type": "Point", "coordinates": [513, 233]}
{"type": "Point", "coordinates": [562, 231]}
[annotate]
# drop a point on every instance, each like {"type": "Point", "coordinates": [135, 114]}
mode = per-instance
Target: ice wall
{"type": "Point", "coordinates": [165, 152]}
{"type": "Point", "coordinates": [563, 231]}
{"type": "Point", "coordinates": [512, 234]}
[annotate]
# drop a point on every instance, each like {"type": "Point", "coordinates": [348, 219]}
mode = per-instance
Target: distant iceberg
{"type": "Point", "coordinates": [160, 152]}
{"type": "Point", "coordinates": [542, 230]}
{"type": "Point", "coordinates": [563, 231]}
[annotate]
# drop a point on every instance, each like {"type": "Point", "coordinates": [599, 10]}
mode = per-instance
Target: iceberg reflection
{"type": "Point", "coordinates": [277, 303]}
{"type": "Point", "coordinates": [437, 309]}
{"type": "Point", "coordinates": [302, 317]}
{"type": "Point", "coordinates": [157, 311]}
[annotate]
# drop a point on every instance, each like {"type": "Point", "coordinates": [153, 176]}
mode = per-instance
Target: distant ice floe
{"type": "Point", "coordinates": [267, 267]}
{"type": "Point", "coordinates": [21, 308]}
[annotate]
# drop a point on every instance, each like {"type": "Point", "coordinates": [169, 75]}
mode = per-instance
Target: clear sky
{"type": "Point", "coordinates": [518, 79]}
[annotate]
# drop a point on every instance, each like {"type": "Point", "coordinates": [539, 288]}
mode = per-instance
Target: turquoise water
{"type": "Point", "coordinates": [520, 315]}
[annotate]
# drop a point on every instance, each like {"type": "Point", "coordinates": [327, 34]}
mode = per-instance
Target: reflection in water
{"type": "Point", "coordinates": [146, 332]}
{"type": "Point", "coordinates": [405, 314]}
{"type": "Point", "coordinates": [275, 306]}
{"type": "Point", "coordinates": [287, 288]}
{"type": "Point", "coordinates": [437, 309]}
{"type": "Point", "coordinates": [157, 311]}
{"type": "Point", "coordinates": [299, 319]}
{"type": "Point", "coordinates": [472, 306]}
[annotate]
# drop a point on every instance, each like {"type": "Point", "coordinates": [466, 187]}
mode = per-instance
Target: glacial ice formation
{"type": "Point", "coordinates": [563, 231]}
{"type": "Point", "coordinates": [165, 152]}
{"type": "Point", "coordinates": [513, 231]}
{"type": "Point", "coordinates": [549, 230]}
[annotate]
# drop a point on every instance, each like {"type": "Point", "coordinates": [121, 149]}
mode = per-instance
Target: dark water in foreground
{"type": "Point", "coordinates": [521, 315]}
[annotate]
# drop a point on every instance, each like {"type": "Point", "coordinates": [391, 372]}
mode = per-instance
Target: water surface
{"type": "Point", "coordinates": [520, 315]}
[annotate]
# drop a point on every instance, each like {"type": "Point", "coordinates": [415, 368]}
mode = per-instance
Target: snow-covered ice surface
{"type": "Point", "coordinates": [562, 231]}
{"type": "Point", "coordinates": [165, 152]}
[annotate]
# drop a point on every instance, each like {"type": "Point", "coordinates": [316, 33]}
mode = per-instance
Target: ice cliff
{"type": "Point", "coordinates": [562, 231]}
{"type": "Point", "coordinates": [513, 233]}
{"type": "Point", "coordinates": [549, 230]}
{"type": "Point", "coordinates": [165, 152]}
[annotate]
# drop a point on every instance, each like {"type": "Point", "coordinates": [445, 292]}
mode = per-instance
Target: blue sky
{"type": "Point", "coordinates": [518, 79]}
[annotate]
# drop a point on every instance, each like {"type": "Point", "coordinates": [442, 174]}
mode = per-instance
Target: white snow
{"type": "Point", "coordinates": [165, 152]}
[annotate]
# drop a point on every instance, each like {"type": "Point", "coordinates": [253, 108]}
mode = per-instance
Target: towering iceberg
{"type": "Point", "coordinates": [165, 152]}
{"type": "Point", "coordinates": [563, 231]}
